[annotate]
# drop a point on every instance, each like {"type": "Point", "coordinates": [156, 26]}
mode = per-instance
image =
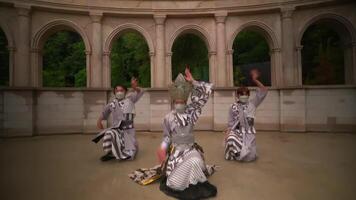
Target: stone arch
{"type": "Point", "coordinates": [8, 34]}
{"type": "Point", "coordinates": [126, 28]}
{"type": "Point", "coordinates": [344, 26]}
{"type": "Point", "coordinates": [259, 27]}
{"type": "Point", "coordinates": [201, 33]}
{"type": "Point", "coordinates": [57, 25]}
{"type": "Point", "coordinates": [274, 46]}
{"type": "Point", "coordinates": [193, 29]}
{"type": "Point", "coordinates": [11, 48]}
{"type": "Point", "coordinates": [117, 32]}
{"type": "Point", "coordinates": [41, 36]}
{"type": "Point", "coordinates": [345, 29]}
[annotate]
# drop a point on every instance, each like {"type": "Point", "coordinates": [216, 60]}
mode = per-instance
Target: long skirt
{"type": "Point", "coordinates": [122, 143]}
{"type": "Point", "coordinates": [240, 146]}
{"type": "Point", "coordinates": [184, 175]}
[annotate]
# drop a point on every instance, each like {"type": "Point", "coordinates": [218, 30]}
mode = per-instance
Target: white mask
{"type": "Point", "coordinates": [243, 98]}
{"type": "Point", "coordinates": [180, 107]}
{"type": "Point", "coordinates": [120, 95]}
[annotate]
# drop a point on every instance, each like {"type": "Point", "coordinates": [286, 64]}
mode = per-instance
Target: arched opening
{"type": "Point", "coordinates": [64, 60]}
{"type": "Point", "coordinates": [251, 51]}
{"type": "Point", "coordinates": [4, 60]}
{"type": "Point", "coordinates": [324, 55]}
{"type": "Point", "coordinates": [129, 58]}
{"type": "Point", "coordinates": [190, 49]}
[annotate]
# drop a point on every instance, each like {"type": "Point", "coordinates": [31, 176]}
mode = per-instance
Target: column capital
{"type": "Point", "coordinates": [275, 50]}
{"type": "Point", "coordinates": [287, 11]}
{"type": "Point", "coordinates": [87, 52]}
{"type": "Point", "coordinates": [211, 53]}
{"type": "Point", "coordinates": [159, 18]}
{"type": "Point", "coordinates": [220, 17]}
{"type": "Point", "coordinates": [151, 53]}
{"type": "Point", "coordinates": [299, 47]}
{"type": "Point", "coordinates": [23, 9]}
{"type": "Point", "coordinates": [169, 53]}
{"type": "Point", "coordinates": [11, 48]}
{"type": "Point", "coordinates": [106, 53]}
{"type": "Point", "coordinates": [96, 16]}
{"type": "Point", "coordinates": [230, 51]}
{"type": "Point", "coordinates": [35, 50]}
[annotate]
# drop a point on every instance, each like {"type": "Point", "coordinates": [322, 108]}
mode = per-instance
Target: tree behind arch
{"type": "Point", "coordinates": [64, 60]}
{"type": "Point", "coordinates": [251, 50]}
{"type": "Point", "coordinates": [189, 49]}
{"type": "Point", "coordinates": [322, 56]}
{"type": "Point", "coordinates": [130, 57]}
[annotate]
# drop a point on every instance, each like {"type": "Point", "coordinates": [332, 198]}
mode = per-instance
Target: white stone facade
{"type": "Point", "coordinates": [26, 108]}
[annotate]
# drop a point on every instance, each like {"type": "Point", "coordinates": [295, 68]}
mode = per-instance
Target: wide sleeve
{"type": "Point", "coordinates": [199, 97]}
{"type": "Point", "coordinates": [106, 111]}
{"type": "Point", "coordinates": [260, 96]}
{"type": "Point", "coordinates": [135, 96]}
{"type": "Point", "coordinates": [231, 119]}
{"type": "Point", "coordinates": [166, 141]}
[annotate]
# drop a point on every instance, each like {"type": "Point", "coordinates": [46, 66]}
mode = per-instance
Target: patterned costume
{"type": "Point", "coordinates": [120, 139]}
{"type": "Point", "coordinates": [240, 143]}
{"type": "Point", "coordinates": [184, 172]}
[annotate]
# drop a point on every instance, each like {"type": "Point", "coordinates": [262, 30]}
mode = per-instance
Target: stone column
{"type": "Point", "coordinates": [212, 66]}
{"type": "Point", "coordinates": [299, 64]}
{"type": "Point", "coordinates": [276, 68]}
{"type": "Point", "coordinates": [11, 65]}
{"type": "Point", "coordinates": [289, 71]}
{"type": "Point", "coordinates": [221, 49]}
{"type": "Point", "coordinates": [88, 68]}
{"type": "Point", "coordinates": [230, 67]}
{"type": "Point", "coordinates": [22, 68]}
{"type": "Point", "coordinates": [36, 69]}
{"type": "Point", "coordinates": [152, 65]}
{"type": "Point", "coordinates": [96, 78]}
{"type": "Point", "coordinates": [106, 69]}
{"type": "Point", "coordinates": [354, 61]}
{"type": "Point", "coordinates": [159, 72]}
{"type": "Point", "coordinates": [350, 63]}
{"type": "Point", "coordinates": [169, 67]}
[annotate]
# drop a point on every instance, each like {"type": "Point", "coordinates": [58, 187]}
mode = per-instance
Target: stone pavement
{"type": "Point", "coordinates": [290, 166]}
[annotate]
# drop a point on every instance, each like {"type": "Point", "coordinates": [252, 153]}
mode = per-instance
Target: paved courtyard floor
{"type": "Point", "coordinates": [290, 166]}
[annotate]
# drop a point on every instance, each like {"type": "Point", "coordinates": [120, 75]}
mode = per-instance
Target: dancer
{"type": "Point", "coordinates": [240, 143]}
{"type": "Point", "coordinates": [183, 169]}
{"type": "Point", "coordinates": [119, 141]}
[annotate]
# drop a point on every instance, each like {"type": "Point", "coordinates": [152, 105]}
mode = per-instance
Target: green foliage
{"type": "Point", "coordinates": [4, 60]}
{"type": "Point", "coordinates": [189, 49]}
{"type": "Point", "coordinates": [322, 56]}
{"type": "Point", "coordinates": [251, 50]}
{"type": "Point", "coordinates": [129, 57]}
{"type": "Point", "coordinates": [64, 60]}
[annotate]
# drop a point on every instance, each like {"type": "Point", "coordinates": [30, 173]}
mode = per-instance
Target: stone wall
{"type": "Point", "coordinates": [44, 112]}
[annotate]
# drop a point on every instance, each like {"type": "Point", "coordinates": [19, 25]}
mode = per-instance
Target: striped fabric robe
{"type": "Point", "coordinates": [122, 143]}
{"type": "Point", "coordinates": [240, 143]}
